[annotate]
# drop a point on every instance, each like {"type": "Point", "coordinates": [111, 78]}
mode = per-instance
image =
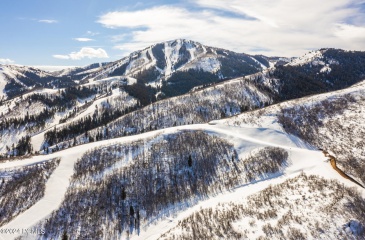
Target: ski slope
{"type": "Point", "coordinates": [245, 139]}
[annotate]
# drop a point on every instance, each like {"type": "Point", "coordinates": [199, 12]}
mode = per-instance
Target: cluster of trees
{"type": "Point", "coordinates": [147, 75]}
{"type": "Point", "coordinates": [235, 65]}
{"type": "Point", "coordinates": [184, 57]}
{"type": "Point", "coordinates": [113, 108]}
{"type": "Point", "coordinates": [183, 81]}
{"type": "Point", "coordinates": [20, 188]}
{"type": "Point", "coordinates": [119, 71]}
{"type": "Point", "coordinates": [178, 83]}
{"type": "Point", "coordinates": [13, 88]}
{"type": "Point", "coordinates": [122, 185]}
{"type": "Point", "coordinates": [145, 94]}
{"type": "Point", "coordinates": [271, 214]}
{"type": "Point", "coordinates": [304, 121]}
{"type": "Point", "coordinates": [340, 119]}
{"type": "Point", "coordinates": [67, 97]}
{"type": "Point", "coordinates": [23, 147]}
{"type": "Point", "coordinates": [159, 175]}
{"type": "Point", "coordinates": [36, 119]}
{"type": "Point", "coordinates": [158, 53]}
{"type": "Point", "coordinates": [267, 161]}
{"type": "Point", "coordinates": [59, 102]}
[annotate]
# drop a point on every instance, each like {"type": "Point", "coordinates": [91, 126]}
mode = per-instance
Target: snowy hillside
{"type": "Point", "coordinates": [78, 73]}
{"type": "Point", "coordinates": [303, 207]}
{"type": "Point", "coordinates": [234, 152]}
{"type": "Point", "coordinates": [16, 80]}
{"type": "Point", "coordinates": [215, 102]}
{"type": "Point", "coordinates": [33, 113]}
{"type": "Point", "coordinates": [236, 162]}
{"type": "Point", "coordinates": [9, 79]}
{"type": "Point", "coordinates": [332, 121]}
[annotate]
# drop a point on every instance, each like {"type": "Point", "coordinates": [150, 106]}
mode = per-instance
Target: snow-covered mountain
{"type": "Point", "coordinates": [205, 103]}
{"type": "Point", "coordinates": [79, 72]}
{"type": "Point", "coordinates": [162, 60]}
{"type": "Point", "coordinates": [275, 153]}
{"type": "Point", "coordinates": [174, 67]}
{"type": "Point", "coordinates": [16, 80]}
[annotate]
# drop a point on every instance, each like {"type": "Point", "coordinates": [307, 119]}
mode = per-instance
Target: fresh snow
{"type": "Point", "coordinates": [245, 139]}
{"type": "Point", "coordinates": [207, 64]}
{"type": "Point", "coordinates": [308, 57]}
{"type": "Point", "coordinates": [38, 139]}
{"type": "Point", "coordinates": [262, 65]}
{"type": "Point", "coordinates": [3, 82]}
{"type": "Point", "coordinates": [326, 69]}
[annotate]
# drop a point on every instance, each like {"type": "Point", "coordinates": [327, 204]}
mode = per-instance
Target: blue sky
{"type": "Point", "coordinates": [80, 32]}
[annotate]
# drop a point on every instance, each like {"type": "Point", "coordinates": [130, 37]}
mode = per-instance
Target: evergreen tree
{"type": "Point", "coordinates": [64, 236]}
{"type": "Point", "coordinates": [124, 194]}
{"type": "Point", "coordinates": [131, 211]}
{"type": "Point", "coordinates": [190, 161]}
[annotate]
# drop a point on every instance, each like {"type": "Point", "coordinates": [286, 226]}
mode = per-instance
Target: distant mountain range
{"type": "Point", "coordinates": [181, 63]}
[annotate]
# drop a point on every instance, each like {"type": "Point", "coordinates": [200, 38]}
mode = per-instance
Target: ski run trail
{"type": "Point", "coordinates": [302, 158]}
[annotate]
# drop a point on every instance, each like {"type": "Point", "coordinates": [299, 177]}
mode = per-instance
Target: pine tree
{"type": "Point", "coordinates": [131, 211]}
{"type": "Point", "coordinates": [64, 236]}
{"type": "Point", "coordinates": [124, 194]}
{"type": "Point", "coordinates": [190, 161]}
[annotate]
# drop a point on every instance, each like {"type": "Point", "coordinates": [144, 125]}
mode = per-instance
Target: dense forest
{"type": "Point", "coordinates": [346, 69]}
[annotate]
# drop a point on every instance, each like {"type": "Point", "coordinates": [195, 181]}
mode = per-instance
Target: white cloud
{"type": "Point", "coordinates": [83, 39]}
{"type": "Point", "coordinates": [85, 52]}
{"type": "Point", "coordinates": [350, 32]}
{"type": "Point", "coordinates": [282, 27]}
{"type": "Point", "coordinates": [47, 21]}
{"type": "Point", "coordinates": [61, 56]}
{"type": "Point", "coordinates": [91, 33]}
{"type": "Point", "coordinates": [6, 61]}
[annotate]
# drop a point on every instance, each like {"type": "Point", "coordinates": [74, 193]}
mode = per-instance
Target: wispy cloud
{"type": "Point", "coordinates": [85, 52]}
{"type": "Point", "coordinates": [50, 21]}
{"type": "Point", "coordinates": [281, 27]}
{"type": "Point", "coordinates": [6, 61]}
{"type": "Point", "coordinates": [91, 33]}
{"type": "Point", "coordinates": [83, 39]}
